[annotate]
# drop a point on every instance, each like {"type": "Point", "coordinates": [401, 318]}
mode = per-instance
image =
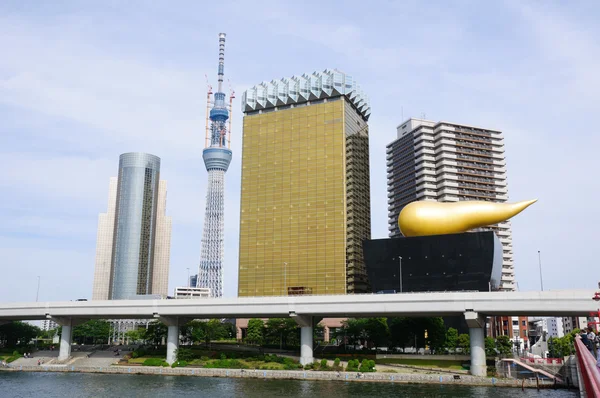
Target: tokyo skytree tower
{"type": "Point", "coordinates": [217, 156]}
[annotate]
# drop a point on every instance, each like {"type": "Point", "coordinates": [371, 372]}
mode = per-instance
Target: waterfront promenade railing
{"type": "Point", "coordinates": [588, 369]}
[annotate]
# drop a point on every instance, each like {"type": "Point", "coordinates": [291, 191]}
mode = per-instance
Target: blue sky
{"type": "Point", "coordinates": [82, 82]}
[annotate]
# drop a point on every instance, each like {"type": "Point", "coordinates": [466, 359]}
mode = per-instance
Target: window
{"type": "Point", "coordinates": [524, 323]}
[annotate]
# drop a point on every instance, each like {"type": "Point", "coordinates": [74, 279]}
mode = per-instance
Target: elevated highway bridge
{"type": "Point", "coordinates": [308, 310]}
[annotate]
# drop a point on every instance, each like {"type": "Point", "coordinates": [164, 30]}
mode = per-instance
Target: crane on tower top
{"type": "Point", "coordinates": [209, 92]}
{"type": "Point", "coordinates": [231, 97]}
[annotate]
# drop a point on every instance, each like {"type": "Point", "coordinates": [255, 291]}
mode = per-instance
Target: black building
{"type": "Point", "coordinates": [469, 261]}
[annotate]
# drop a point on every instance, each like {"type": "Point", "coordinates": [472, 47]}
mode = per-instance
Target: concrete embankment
{"type": "Point", "coordinates": [292, 374]}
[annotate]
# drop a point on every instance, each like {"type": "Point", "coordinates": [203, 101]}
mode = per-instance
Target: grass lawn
{"type": "Point", "coordinates": [248, 363]}
{"type": "Point", "coordinates": [142, 359]}
{"type": "Point", "coordinates": [264, 365]}
{"type": "Point", "coordinates": [427, 363]}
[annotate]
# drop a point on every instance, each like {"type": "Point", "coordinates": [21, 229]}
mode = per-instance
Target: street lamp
{"type": "Point", "coordinates": [540, 262]}
{"type": "Point", "coordinates": [188, 280]}
{"type": "Point", "coordinates": [285, 278]}
{"type": "Point", "coordinates": [37, 295]}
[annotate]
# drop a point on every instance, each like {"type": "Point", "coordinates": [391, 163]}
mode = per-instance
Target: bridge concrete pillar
{"type": "Point", "coordinates": [476, 324]}
{"type": "Point", "coordinates": [306, 337]}
{"type": "Point", "coordinates": [172, 336]}
{"type": "Point", "coordinates": [66, 336]}
{"type": "Point", "coordinates": [172, 343]}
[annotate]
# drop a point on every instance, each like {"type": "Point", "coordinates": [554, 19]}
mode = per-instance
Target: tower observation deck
{"type": "Point", "coordinates": [217, 157]}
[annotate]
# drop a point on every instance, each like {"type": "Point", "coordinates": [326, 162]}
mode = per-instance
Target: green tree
{"type": "Point", "coordinates": [504, 345]}
{"type": "Point", "coordinates": [155, 333]}
{"type": "Point", "coordinates": [281, 329]}
{"type": "Point", "coordinates": [451, 339]}
{"type": "Point", "coordinates": [49, 334]}
{"type": "Point", "coordinates": [135, 335]}
{"type": "Point", "coordinates": [91, 332]}
{"type": "Point", "coordinates": [377, 331]}
{"type": "Point", "coordinates": [212, 330]}
{"type": "Point", "coordinates": [355, 330]}
{"type": "Point", "coordinates": [464, 342]}
{"type": "Point", "coordinates": [17, 333]}
{"type": "Point", "coordinates": [436, 333]}
{"type": "Point", "coordinates": [560, 347]}
{"type": "Point", "coordinates": [192, 331]}
{"type": "Point", "coordinates": [228, 331]}
{"type": "Point", "coordinates": [255, 332]}
{"type": "Point", "coordinates": [401, 331]}
{"type": "Point", "coordinates": [490, 347]}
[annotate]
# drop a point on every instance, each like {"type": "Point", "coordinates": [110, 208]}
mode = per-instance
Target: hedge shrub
{"type": "Point", "coordinates": [185, 354]}
{"type": "Point", "coordinates": [155, 362]}
{"type": "Point", "coordinates": [179, 364]}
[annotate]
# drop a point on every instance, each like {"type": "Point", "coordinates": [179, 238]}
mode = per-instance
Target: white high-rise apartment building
{"type": "Point", "coordinates": [48, 324]}
{"type": "Point", "coordinates": [449, 162]}
{"type": "Point", "coordinates": [134, 236]}
{"type": "Point", "coordinates": [548, 326]}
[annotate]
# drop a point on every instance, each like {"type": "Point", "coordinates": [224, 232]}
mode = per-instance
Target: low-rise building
{"type": "Point", "coordinates": [188, 292]}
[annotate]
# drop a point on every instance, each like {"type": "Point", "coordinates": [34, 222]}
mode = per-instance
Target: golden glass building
{"type": "Point", "coordinates": [305, 200]}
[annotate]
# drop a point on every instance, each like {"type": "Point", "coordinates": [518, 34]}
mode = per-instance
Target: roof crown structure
{"type": "Point", "coordinates": [305, 88]}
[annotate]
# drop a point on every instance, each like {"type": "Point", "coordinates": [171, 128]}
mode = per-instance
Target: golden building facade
{"type": "Point", "coordinates": [305, 204]}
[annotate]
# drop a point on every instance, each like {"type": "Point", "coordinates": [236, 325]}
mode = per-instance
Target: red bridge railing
{"type": "Point", "coordinates": [589, 371]}
{"type": "Point", "coordinates": [542, 361]}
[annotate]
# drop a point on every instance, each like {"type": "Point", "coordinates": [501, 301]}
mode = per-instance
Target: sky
{"type": "Point", "coordinates": [82, 82]}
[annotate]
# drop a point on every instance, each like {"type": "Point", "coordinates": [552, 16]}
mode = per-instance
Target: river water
{"type": "Point", "coordinates": [65, 385]}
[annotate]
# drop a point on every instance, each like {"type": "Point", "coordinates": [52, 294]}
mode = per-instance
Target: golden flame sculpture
{"type": "Point", "coordinates": [439, 218]}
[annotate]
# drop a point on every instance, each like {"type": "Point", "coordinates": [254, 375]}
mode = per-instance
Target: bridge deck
{"type": "Point", "coordinates": [547, 303]}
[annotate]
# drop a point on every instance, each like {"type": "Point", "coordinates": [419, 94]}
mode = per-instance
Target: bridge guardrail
{"type": "Point", "coordinates": [589, 372]}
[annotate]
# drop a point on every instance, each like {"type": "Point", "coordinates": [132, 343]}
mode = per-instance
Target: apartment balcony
{"type": "Point", "coordinates": [423, 149]}
{"type": "Point", "coordinates": [448, 184]}
{"type": "Point", "coordinates": [444, 149]}
{"type": "Point", "coordinates": [447, 191]}
{"type": "Point", "coordinates": [424, 172]}
{"type": "Point", "coordinates": [445, 155]}
{"type": "Point", "coordinates": [504, 240]}
{"type": "Point", "coordinates": [448, 198]}
{"type": "Point", "coordinates": [426, 180]}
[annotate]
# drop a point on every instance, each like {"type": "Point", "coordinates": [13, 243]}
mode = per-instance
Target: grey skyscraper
{"type": "Point", "coordinates": [132, 253]}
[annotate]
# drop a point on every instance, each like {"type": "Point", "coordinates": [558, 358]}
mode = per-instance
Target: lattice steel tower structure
{"type": "Point", "coordinates": [217, 156]}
